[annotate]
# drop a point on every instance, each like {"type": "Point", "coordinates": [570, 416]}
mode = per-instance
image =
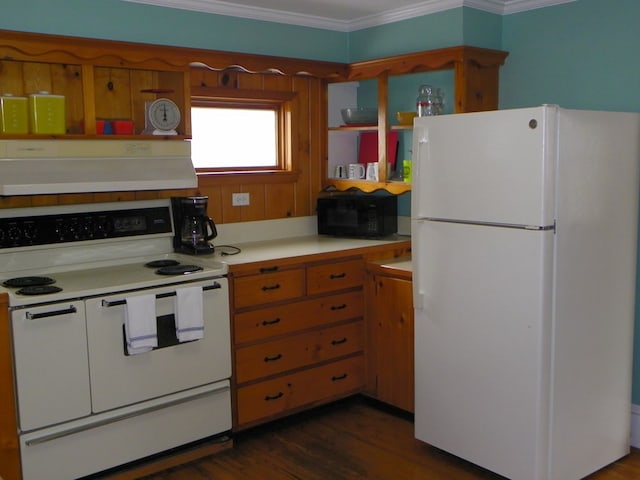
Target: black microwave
{"type": "Point", "coordinates": [352, 215]}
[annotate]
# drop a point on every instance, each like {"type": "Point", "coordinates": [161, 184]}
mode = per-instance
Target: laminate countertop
{"type": "Point", "coordinates": [298, 247]}
{"type": "Point", "coordinates": [398, 267]}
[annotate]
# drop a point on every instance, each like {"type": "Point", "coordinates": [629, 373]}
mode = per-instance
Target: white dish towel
{"type": "Point", "coordinates": [189, 314]}
{"type": "Point", "coordinates": [140, 327]}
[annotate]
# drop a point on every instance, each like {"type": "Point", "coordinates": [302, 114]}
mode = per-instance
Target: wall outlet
{"type": "Point", "coordinates": [240, 199]}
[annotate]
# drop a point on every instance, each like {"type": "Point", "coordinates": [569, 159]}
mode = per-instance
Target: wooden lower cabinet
{"type": "Point", "coordinates": [299, 332]}
{"type": "Point", "coordinates": [299, 337]}
{"type": "Point", "coordinates": [390, 317]}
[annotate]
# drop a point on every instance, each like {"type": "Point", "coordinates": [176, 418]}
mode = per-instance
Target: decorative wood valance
{"type": "Point", "coordinates": [56, 48]}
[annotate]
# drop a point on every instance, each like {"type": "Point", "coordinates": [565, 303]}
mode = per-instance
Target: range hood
{"type": "Point", "coordinates": [29, 167]}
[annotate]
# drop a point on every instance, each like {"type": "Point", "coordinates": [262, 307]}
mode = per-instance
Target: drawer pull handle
{"type": "Point", "coordinates": [334, 276]}
{"type": "Point", "coordinates": [269, 269]}
{"type": "Point", "coordinates": [278, 395]}
{"type": "Point", "coordinates": [339, 307]}
{"type": "Point", "coordinates": [274, 358]}
{"type": "Point", "coordinates": [335, 378]}
{"type": "Point", "coordinates": [266, 323]}
{"type": "Point", "coordinates": [270, 287]}
{"type": "Point", "coordinates": [339, 342]}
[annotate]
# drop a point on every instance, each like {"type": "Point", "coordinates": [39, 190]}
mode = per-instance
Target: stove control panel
{"type": "Point", "coordinates": [78, 227]}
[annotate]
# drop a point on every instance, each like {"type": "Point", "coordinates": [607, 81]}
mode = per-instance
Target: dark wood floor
{"type": "Point", "coordinates": [353, 439]}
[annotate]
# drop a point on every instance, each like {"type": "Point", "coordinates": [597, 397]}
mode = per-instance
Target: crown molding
{"type": "Point", "coordinates": [426, 7]}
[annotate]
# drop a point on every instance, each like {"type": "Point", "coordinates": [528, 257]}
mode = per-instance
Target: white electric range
{"type": "Point", "coordinates": [85, 404]}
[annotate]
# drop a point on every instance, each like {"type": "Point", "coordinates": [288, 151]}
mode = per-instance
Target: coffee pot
{"type": "Point", "coordinates": [193, 228]}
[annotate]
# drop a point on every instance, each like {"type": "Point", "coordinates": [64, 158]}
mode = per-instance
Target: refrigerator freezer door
{"type": "Point", "coordinates": [482, 343]}
{"type": "Point", "coordinates": [493, 167]}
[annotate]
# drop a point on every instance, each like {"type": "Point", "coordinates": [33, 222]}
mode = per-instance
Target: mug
{"type": "Point", "coordinates": [372, 171]}
{"type": "Point", "coordinates": [356, 171]}
{"type": "Point", "coordinates": [341, 172]}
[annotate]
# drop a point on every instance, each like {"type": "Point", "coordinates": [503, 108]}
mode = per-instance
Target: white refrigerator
{"type": "Point", "coordinates": [524, 238]}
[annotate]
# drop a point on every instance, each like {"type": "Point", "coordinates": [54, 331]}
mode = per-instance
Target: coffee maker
{"type": "Point", "coordinates": [193, 229]}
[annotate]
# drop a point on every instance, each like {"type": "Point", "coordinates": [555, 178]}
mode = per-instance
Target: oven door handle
{"type": "Point", "coordinates": [53, 313]}
{"type": "Point", "coordinates": [115, 303]}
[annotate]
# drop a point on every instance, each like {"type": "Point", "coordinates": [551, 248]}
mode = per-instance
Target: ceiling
{"type": "Point", "coordinates": [344, 15]}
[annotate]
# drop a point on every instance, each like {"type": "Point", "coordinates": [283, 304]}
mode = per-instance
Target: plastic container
{"type": "Point", "coordinates": [123, 127]}
{"type": "Point", "coordinates": [14, 114]}
{"type": "Point", "coordinates": [47, 113]}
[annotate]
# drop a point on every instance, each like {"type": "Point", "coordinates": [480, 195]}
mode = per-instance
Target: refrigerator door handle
{"type": "Point", "coordinates": [418, 300]}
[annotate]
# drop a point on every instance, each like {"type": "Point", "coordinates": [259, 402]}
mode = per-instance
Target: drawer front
{"type": "Point", "coordinates": [313, 386]}
{"type": "Point", "coordinates": [272, 321]}
{"type": "Point", "coordinates": [330, 277]}
{"type": "Point", "coordinates": [297, 351]}
{"type": "Point", "coordinates": [268, 288]}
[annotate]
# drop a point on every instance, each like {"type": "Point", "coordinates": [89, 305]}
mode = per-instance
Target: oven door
{"type": "Point", "coordinates": [118, 379]}
{"type": "Point", "coordinates": [52, 371]}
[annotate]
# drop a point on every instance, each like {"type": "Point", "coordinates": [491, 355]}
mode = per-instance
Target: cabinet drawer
{"type": "Point", "coordinates": [329, 277]}
{"type": "Point", "coordinates": [267, 322]}
{"type": "Point", "coordinates": [300, 350]}
{"type": "Point", "coordinates": [267, 288]}
{"type": "Point", "coordinates": [313, 386]}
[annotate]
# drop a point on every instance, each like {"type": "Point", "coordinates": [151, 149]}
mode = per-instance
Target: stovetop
{"type": "Point", "coordinates": [86, 280]}
{"type": "Point", "coordinates": [97, 266]}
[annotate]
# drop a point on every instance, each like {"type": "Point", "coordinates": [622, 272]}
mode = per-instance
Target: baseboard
{"type": "Point", "coordinates": [635, 426]}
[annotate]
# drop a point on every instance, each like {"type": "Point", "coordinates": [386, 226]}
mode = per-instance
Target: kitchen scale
{"type": "Point", "coordinates": [162, 116]}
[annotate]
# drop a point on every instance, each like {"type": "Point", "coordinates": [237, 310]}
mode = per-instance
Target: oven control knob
{"type": "Point", "coordinates": [60, 230]}
{"type": "Point", "coordinates": [72, 229]}
{"type": "Point", "coordinates": [30, 231]}
{"type": "Point", "coordinates": [85, 231]}
{"type": "Point", "coordinates": [13, 233]}
{"type": "Point", "coordinates": [101, 227]}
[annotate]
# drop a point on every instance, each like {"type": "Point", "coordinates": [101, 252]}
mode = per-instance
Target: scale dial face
{"type": "Point", "coordinates": [164, 115]}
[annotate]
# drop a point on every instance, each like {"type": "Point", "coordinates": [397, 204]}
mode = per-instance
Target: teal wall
{"type": "Point", "coordinates": [119, 20]}
{"type": "Point", "coordinates": [579, 55]}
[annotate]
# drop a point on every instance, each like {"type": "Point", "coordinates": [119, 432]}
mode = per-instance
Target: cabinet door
{"type": "Point", "coordinates": [391, 319]}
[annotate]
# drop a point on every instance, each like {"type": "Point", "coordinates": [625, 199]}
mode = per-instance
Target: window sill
{"type": "Point", "coordinates": [248, 177]}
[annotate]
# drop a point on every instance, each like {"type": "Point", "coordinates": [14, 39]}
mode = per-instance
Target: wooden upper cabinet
{"type": "Point", "coordinates": [475, 77]}
{"type": "Point", "coordinates": [103, 79]}
{"type": "Point", "coordinates": [100, 80]}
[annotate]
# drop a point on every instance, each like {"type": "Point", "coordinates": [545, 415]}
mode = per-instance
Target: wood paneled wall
{"type": "Point", "coordinates": [105, 79]}
{"type": "Point", "coordinates": [276, 194]}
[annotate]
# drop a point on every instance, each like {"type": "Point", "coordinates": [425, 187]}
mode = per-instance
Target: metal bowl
{"type": "Point", "coordinates": [360, 116]}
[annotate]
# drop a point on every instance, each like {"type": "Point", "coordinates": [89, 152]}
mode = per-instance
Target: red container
{"type": "Point", "coordinates": [122, 127]}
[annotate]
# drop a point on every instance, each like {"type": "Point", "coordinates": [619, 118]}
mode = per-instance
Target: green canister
{"type": "Point", "coordinates": [47, 113]}
{"type": "Point", "coordinates": [14, 117]}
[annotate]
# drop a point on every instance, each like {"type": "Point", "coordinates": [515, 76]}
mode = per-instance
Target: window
{"type": "Point", "coordinates": [239, 134]}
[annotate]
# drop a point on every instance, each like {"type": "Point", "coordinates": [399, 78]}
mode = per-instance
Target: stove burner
{"type": "Point", "coordinates": [28, 282]}
{"type": "Point", "coordinates": [178, 269]}
{"type": "Point", "coordinates": [162, 263]}
{"type": "Point", "coordinates": [39, 290]}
